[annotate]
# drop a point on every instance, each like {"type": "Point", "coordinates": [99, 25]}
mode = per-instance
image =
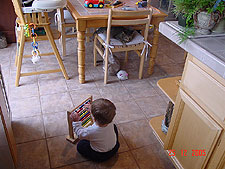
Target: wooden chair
{"type": "Point", "coordinates": [124, 18]}
{"type": "Point", "coordinates": [65, 20]}
{"type": "Point", "coordinates": [40, 19]}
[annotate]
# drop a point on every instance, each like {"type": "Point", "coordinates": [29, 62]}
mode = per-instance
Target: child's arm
{"type": "Point", "coordinates": [81, 132]}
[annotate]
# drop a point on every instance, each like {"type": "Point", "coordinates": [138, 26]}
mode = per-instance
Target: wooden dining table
{"type": "Point", "coordinates": [97, 17]}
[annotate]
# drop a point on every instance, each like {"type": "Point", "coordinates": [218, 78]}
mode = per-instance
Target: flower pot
{"type": "Point", "coordinates": [219, 27]}
{"type": "Point", "coordinates": [181, 20]}
{"type": "Point", "coordinates": [204, 22]}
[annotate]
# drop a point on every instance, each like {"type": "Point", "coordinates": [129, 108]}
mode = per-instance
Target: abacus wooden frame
{"type": "Point", "coordinates": [72, 137]}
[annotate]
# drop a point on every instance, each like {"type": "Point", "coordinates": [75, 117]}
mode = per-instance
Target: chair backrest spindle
{"type": "Point", "coordinates": [127, 18]}
{"type": "Point", "coordinates": [38, 18]}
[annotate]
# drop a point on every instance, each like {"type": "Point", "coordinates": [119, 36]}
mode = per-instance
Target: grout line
{"type": "Point", "coordinates": [49, 159]}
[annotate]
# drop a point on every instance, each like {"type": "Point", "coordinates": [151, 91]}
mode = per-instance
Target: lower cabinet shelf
{"type": "Point", "coordinates": [170, 87]}
{"type": "Point", "coordinates": [155, 123]}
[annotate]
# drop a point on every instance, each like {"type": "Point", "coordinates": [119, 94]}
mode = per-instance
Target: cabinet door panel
{"type": "Point", "coordinates": [196, 135]}
{"type": "Point", "coordinates": [204, 89]}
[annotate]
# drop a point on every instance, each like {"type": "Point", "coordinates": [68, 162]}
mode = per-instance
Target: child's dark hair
{"type": "Point", "coordinates": [103, 111]}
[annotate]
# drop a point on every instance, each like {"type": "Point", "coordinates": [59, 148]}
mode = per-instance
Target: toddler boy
{"type": "Point", "coordinates": [98, 142]}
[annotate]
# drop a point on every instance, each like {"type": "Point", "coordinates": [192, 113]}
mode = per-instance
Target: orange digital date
{"type": "Point", "coordinates": [196, 153]}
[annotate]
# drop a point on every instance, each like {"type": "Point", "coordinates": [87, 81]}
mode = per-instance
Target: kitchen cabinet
{"type": "Point", "coordinates": [8, 153]}
{"type": "Point", "coordinates": [196, 136]}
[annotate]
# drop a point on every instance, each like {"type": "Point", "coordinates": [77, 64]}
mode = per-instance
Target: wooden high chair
{"type": "Point", "coordinates": [40, 19]}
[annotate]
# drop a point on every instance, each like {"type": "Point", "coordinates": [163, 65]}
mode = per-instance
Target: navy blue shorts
{"type": "Point", "coordinates": [84, 148]}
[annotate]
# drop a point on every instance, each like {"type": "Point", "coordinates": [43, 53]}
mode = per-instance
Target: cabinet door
{"type": "Point", "coordinates": [196, 136]}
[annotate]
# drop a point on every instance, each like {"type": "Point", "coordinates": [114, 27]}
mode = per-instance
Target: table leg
{"type": "Point", "coordinates": [81, 55]}
{"type": "Point", "coordinates": [154, 48]}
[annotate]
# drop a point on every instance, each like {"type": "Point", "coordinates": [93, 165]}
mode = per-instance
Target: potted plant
{"type": "Point", "coordinates": [199, 14]}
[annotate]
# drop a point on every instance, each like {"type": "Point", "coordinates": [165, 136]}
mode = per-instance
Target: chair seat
{"type": "Point", "coordinates": [50, 4]}
{"type": "Point", "coordinates": [138, 38]}
{"type": "Point", "coordinates": [68, 17]}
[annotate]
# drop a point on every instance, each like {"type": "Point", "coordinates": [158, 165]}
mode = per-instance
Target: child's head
{"type": "Point", "coordinates": [103, 111]}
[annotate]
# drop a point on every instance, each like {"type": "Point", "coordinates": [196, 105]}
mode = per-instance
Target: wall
{"type": "Point", "coordinates": [7, 20]}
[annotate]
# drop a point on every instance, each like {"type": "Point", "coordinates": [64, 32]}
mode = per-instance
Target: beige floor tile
{"type": "Point", "coordinates": [78, 96]}
{"type": "Point", "coordinates": [33, 155]}
{"type": "Point", "coordinates": [163, 59]}
{"type": "Point", "coordinates": [26, 80]}
{"type": "Point", "coordinates": [153, 82]}
{"type": "Point", "coordinates": [56, 103]}
{"type": "Point", "coordinates": [123, 145]}
{"type": "Point", "coordinates": [55, 124]}
{"type": "Point", "coordinates": [128, 111]}
{"type": "Point", "coordinates": [116, 93]}
{"type": "Point", "coordinates": [164, 159]}
{"type": "Point", "coordinates": [28, 129]}
{"type": "Point", "coordinates": [82, 165]}
{"type": "Point", "coordinates": [62, 152]}
{"type": "Point", "coordinates": [51, 76]}
{"type": "Point", "coordinates": [74, 84]}
{"type": "Point", "coordinates": [25, 107]}
{"type": "Point", "coordinates": [158, 72]}
{"type": "Point", "coordinates": [150, 157]}
{"type": "Point", "coordinates": [140, 89]}
{"type": "Point", "coordinates": [24, 91]}
{"type": "Point", "coordinates": [137, 133]}
{"type": "Point", "coordinates": [172, 69]}
{"type": "Point", "coordinates": [119, 161]}
{"type": "Point", "coordinates": [47, 87]}
{"type": "Point", "coordinates": [152, 106]}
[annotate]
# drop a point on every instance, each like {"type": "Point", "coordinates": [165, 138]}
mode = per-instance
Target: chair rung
{"type": "Point", "coordinates": [43, 54]}
{"type": "Point", "coordinates": [69, 24]}
{"type": "Point", "coordinates": [41, 72]}
{"type": "Point", "coordinates": [71, 35]}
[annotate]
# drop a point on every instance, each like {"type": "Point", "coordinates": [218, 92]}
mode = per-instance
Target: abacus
{"type": "Point", "coordinates": [85, 117]}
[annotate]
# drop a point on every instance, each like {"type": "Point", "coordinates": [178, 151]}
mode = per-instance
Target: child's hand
{"type": "Point", "coordinates": [74, 117]}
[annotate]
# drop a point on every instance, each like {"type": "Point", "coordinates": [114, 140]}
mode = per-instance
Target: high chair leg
{"type": "Point", "coordinates": [56, 52]}
{"type": "Point", "coordinates": [19, 58]}
{"type": "Point", "coordinates": [16, 57]}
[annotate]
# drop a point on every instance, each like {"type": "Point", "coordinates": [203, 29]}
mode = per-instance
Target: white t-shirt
{"type": "Point", "coordinates": [102, 139]}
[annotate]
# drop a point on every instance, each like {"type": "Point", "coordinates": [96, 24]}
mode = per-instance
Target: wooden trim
{"type": "Point", "coordinates": [170, 87]}
{"type": "Point", "coordinates": [155, 123]}
{"type": "Point", "coordinates": [175, 120]}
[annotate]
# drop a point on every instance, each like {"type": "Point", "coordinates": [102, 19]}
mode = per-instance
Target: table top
{"type": "Point", "coordinates": [79, 11]}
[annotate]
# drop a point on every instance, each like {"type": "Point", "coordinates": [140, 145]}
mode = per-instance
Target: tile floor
{"type": "Point", "coordinates": [40, 103]}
